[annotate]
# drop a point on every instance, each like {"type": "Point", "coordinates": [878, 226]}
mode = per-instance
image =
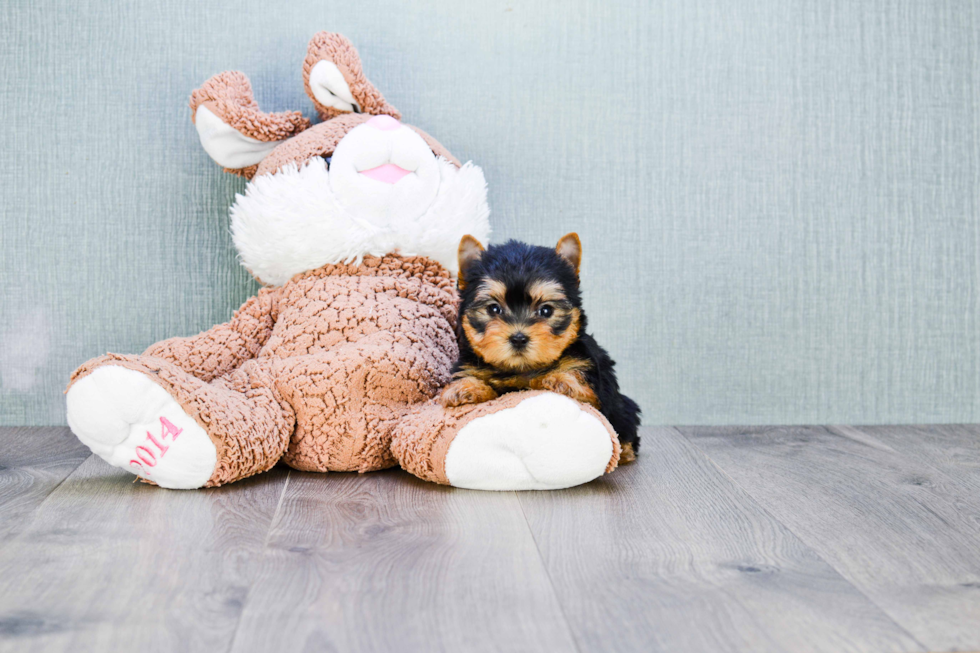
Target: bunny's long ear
{"type": "Point", "coordinates": [335, 81]}
{"type": "Point", "coordinates": [232, 129]}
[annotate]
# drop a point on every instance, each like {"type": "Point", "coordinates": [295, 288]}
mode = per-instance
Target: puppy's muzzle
{"type": "Point", "coordinates": [519, 340]}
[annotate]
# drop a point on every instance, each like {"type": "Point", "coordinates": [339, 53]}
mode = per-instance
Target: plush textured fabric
{"type": "Point", "coordinates": [336, 371]}
{"type": "Point", "coordinates": [358, 329]}
{"type": "Point", "coordinates": [223, 348]}
{"type": "Point", "coordinates": [339, 50]}
{"type": "Point", "coordinates": [228, 96]}
{"type": "Point", "coordinates": [546, 442]}
{"type": "Point", "coordinates": [296, 215]}
{"type": "Point", "coordinates": [241, 411]}
{"type": "Point", "coordinates": [322, 139]}
{"type": "Point", "coordinates": [293, 221]}
{"type": "Point", "coordinates": [319, 140]}
{"type": "Point", "coordinates": [422, 439]}
{"type": "Point", "coordinates": [334, 359]}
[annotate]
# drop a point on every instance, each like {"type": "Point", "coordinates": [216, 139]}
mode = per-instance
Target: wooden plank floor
{"type": "Point", "coordinates": [716, 539]}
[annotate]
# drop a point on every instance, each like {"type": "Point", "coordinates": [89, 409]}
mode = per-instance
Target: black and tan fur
{"type": "Point", "coordinates": [522, 327]}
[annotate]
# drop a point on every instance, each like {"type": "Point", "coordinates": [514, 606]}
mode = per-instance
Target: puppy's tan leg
{"type": "Point", "coordinates": [627, 455]}
{"type": "Point", "coordinates": [466, 390]}
{"type": "Point", "coordinates": [569, 384]}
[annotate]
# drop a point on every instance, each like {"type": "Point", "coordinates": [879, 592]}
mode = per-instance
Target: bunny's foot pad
{"type": "Point", "coordinates": [134, 424]}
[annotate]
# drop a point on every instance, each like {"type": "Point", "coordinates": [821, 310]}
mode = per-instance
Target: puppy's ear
{"type": "Point", "coordinates": [470, 251]}
{"type": "Point", "coordinates": [570, 249]}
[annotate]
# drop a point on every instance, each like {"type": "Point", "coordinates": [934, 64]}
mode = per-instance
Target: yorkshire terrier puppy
{"type": "Point", "coordinates": [522, 327]}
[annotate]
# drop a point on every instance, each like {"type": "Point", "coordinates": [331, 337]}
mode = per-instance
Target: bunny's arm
{"type": "Point", "coordinates": [224, 347]}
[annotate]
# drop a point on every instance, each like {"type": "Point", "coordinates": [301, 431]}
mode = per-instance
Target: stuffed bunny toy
{"type": "Point", "coordinates": [352, 227]}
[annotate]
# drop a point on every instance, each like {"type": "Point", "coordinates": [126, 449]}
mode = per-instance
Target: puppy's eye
{"type": "Point", "coordinates": [493, 309]}
{"type": "Point", "coordinates": [546, 311]}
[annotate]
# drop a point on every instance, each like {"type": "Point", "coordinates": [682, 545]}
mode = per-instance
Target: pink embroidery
{"type": "Point", "coordinates": [145, 456]}
{"type": "Point", "coordinates": [169, 429]}
{"type": "Point", "coordinates": [162, 447]}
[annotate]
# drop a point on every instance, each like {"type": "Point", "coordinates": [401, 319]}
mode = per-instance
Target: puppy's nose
{"type": "Point", "coordinates": [519, 340]}
{"type": "Point", "coordinates": [384, 123]}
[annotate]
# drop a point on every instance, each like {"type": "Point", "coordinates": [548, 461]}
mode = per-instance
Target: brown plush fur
{"type": "Point", "coordinates": [316, 372]}
{"type": "Point", "coordinates": [228, 95]}
{"type": "Point", "coordinates": [329, 372]}
{"type": "Point", "coordinates": [322, 140]}
{"type": "Point", "coordinates": [338, 49]}
{"type": "Point", "coordinates": [335, 369]}
{"type": "Point", "coordinates": [422, 438]}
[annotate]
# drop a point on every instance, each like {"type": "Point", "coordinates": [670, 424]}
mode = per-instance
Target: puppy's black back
{"type": "Point", "coordinates": [622, 412]}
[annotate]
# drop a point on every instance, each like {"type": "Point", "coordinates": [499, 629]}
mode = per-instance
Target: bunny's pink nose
{"type": "Point", "coordinates": [384, 123]}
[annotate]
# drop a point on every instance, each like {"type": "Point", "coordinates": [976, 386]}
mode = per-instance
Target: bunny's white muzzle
{"type": "Point", "coordinates": [384, 192]}
{"type": "Point", "coordinates": [383, 172]}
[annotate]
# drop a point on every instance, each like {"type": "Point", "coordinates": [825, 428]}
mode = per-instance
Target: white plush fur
{"type": "Point", "coordinates": [291, 222]}
{"type": "Point", "coordinates": [546, 442]}
{"type": "Point", "coordinates": [113, 409]}
{"type": "Point", "coordinates": [378, 203]}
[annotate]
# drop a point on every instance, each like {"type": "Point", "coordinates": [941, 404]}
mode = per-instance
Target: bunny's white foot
{"type": "Point", "coordinates": [546, 442]}
{"type": "Point", "coordinates": [134, 424]}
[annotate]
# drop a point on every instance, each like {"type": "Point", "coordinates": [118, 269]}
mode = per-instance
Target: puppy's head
{"type": "Point", "coordinates": [521, 306]}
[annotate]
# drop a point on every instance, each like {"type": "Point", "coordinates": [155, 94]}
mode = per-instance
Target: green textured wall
{"type": "Point", "coordinates": [778, 200]}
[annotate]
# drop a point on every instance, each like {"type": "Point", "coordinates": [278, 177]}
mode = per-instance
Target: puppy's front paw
{"type": "Point", "coordinates": [568, 384]}
{"type": "Point", "coordinates": [466, 390]}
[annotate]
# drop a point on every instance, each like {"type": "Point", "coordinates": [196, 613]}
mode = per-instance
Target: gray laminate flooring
{"type": "Point", "coordinates": [802, 538]}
